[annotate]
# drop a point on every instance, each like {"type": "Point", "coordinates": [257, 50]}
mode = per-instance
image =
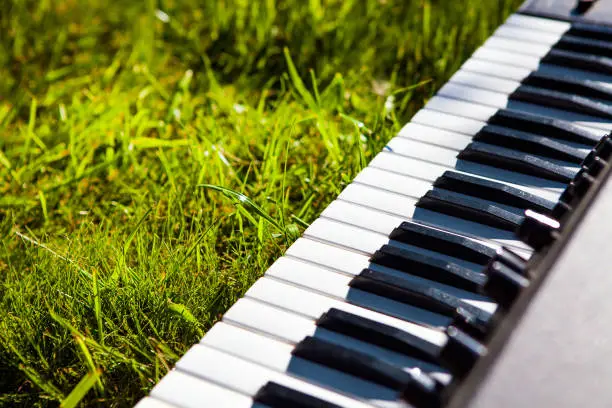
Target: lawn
{"type": "Point", "coordinates": [157, 156]}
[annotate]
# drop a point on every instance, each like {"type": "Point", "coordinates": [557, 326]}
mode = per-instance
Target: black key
{"type": "Point", "coordinates": [516, 161]}
{"type": "Point", "coordinates": [594, 63]}
{"type": "Point", "coordinates": [542, 125]}
{"type": "Point", "coordinates": [492, 191]}
{"type": "Point", "coordinates": [577, 188]}
{"type": "Point", "coordinates": [352, 362]}
{"type": "Point", "coordinates": [529, 143]}
{"type": "Point", "coordinates": [594, 31]}
{"type": "Point", "coordinates": [278, 396]}
{"type": "Point", "coordinates": [584, 87]}
{"type": "Point", "coordinates": [461, 352]}
{"type": "Point", "coordinates": [583, 6]}
{"type": "Point", "coordinates": [428, 267]}
{"type": "Point", "coordinates": [416, 294]}
{"type": "Point", "coordinates": [511, 259]}
{"type": "Point", "coordinates": [442, 241]}
{"type": "Point", "coordinates": [585, 45]}
{"type": "Point", "coordinates": [471, 325]}
{"type": "Point", "coordinates": [538, 230]}
{"type": "Point", "coordinates": [561, 100]}
{"type": "Point", "coordinates": [504, 285]}
{"type": "Point", "coordinates": [380, 334]}
{"type": "Point", "coordinates": [595, 167]}
{"type": "Point", "coordinates": [473, 209]}
{"type": "Point", "coordinates": [603, 150]}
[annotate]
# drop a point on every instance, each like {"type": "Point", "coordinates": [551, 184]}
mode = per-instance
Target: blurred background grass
{"type": "Point", "coordinates": [156, 156]}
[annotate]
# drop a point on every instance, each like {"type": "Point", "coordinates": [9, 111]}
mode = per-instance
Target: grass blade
{"type": "Point", "coordinates": [81, 389]}
{"type": "Point", "coordinates": [245, 201]}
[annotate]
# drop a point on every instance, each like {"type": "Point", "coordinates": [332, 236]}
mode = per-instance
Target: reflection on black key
{"type": "Point", "coordinates": [352, 362]}
{"type": "Point", "coordinates": [473, 209]}
{"type": "Point", "coordinates": [275, 395]}
{"type": "Point", "coordinates": [529, 143]}
{"type": "Point", "coordinates": [516, 161]}
{"type": "Point", "coordinates": [587, 62]}
{"type": "Point", "coordinates": [379, 334]}
{"type": "Point", "coordinates": [492, 191]}
{"type": "Point", "coordinates": [442, 241]}
{"type": "Point", "coordinates": [412, 293]}
{"type": "Point", "coordinates": [585, 45]}
{"type": "Point", "coordinates": [561, 100]}
{"type": "Point", "coordinates": [428, 267]}
{"type": "Point", "coordinates": [597, 32]}
{"type": "Point", "coordinates": [584, 87]}
{"type": "Point", "coordinates": [542, 125]}
{"type": "Point", "coordinates": [461, 351]}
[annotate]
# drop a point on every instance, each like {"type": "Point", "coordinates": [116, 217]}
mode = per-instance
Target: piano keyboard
{"type": "Point", "coordinates": [390, 295]}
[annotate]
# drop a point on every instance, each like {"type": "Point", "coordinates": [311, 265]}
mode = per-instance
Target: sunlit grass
{"type": "Point", "coordinates": [156, 157]}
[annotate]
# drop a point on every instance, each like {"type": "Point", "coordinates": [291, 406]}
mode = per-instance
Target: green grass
{"type": "Point", "coordinates": [157, 156]}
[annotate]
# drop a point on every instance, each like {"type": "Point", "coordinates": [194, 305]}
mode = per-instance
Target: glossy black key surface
{"type": "Point", "coordinates": [583, 87]}
{"type": "Point", "coordinates": [537, 230]}
{"type": "Point", "coordinates": [529, 143]}
{"type": "Point", "coordinates": [275, 395]}
{"type": "Point", "coordinates": [542, 125]}
{"type": "Point", "coordinates": [472, 325]}
{"type": "Point", "coordinates": [380, 334]}
{"type": "Point", "coordinates": [428, 267]}
{"type": "Point", "coordinates": [461, 351]}
{"type": "Point", "coordinates": [516, 161]}
{"type": "Point", "coordinates": [572, 59]}
{"type": "Point", "coordinates": [473, 209]}
{"type": "Point", "coordinates": [492, 191]}
{"type": "Point", "coordinates": [511, 259]}
{"type": "Point", "coordinates": [596, 32]}
{"type": "Point", "coordinates": [585, 45]}
{"type": "Point", "coordinates": [442, 241]}
{"type": "Point", "coordinates": [561, 100]}
{"type": "Point", "coordinates": [352, 362]}
{"type": "Point", "coordinates": [416, 294]}
{"type": "Point", "coordinates": [504, 284]}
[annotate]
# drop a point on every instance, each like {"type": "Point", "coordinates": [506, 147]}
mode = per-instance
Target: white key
{"type": "Point", "coordinates": [335, 284]}
{"type": "Point", "coordinates": [520, 74]}
{"type": "Point", "coordinates": [496, 69]}
{"type": "Point", "coordinates": [455, 123]}
{"type": "Point", "coordinates": [501, 101]}
{"type": "Point", "coordinates": [497, 85]}
{"type": "Point", "coordinates": [277, 356]}
{"type": "Point", "coordinates": [519, 47]}
{"type": "Point", "coordinates": [340, 259]}
{"type": "Point", "coordinates": [379, 222]}
{"type": "Point", "coordinates": [533, 63]}
{"type": "Point", "coordinates": [405, 207]}
{"type": "Point", "coordinates": [393, 182]}
{"type": "Point", "coordinates": [504, 57]}
{"type": "Point", "coordinates": [538, 23]}
{"type": "Point", "coordinates": [527, 35]}
{"type": "Point", "coordinates": [431, 135]}
{"type": "Point", "coordinates": [417, 167]}
{"type": "Point", "coordinates": [291, 328]}
{"type": "Point", "coordinates": [149, 402]}
{"type": "Point", "coordinates": [247, 378]}
{"type": "Point", "coordinates": [449, 140]}
{"type": "Point", "coordinates": [485, 81]}
{"type": "Point", "coordinates": [187, 391]}
{"type": "Point", "coordinates": [313, 305]}
{"type": "Point", "coordinates": [482, 105]}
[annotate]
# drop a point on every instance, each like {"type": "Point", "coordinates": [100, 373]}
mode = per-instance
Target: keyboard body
{"type": "Point", "coordinates": [405, 290]}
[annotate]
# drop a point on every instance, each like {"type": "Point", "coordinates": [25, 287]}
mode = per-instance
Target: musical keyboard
{"type": "Point", "coordinates": [402, 290]}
